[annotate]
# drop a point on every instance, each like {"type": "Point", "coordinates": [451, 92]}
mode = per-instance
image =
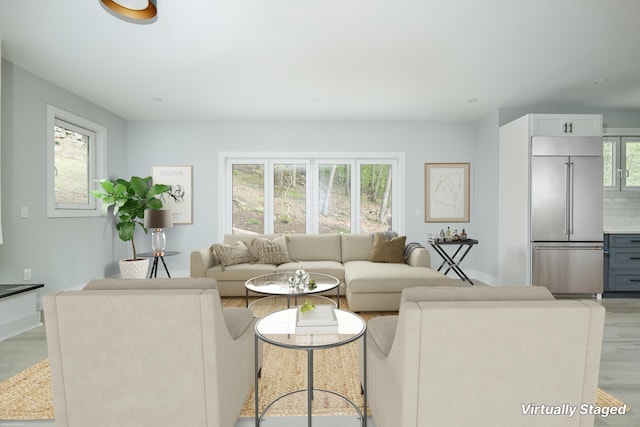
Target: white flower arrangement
{"type": "Point", "coordinates": [299, 279]}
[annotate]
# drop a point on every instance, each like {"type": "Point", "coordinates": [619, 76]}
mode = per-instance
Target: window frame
{"type": "Point", "coordinates": [97, 163]}
{"type": "Point", "coordinates": [615, 159]}
{"type": "Point", "coordinates": [228, 159]}
{"type": "Point", "coordinates": [619, 160]}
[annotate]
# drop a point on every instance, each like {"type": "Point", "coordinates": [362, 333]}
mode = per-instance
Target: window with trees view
{"type": "Point", "coordinates": [621, 155]}
{"type": "Point", "coordinates": [312, 195]}
{"type": "Point", "coordinates": [75, 160]}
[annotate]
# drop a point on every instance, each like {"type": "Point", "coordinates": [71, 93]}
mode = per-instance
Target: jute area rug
{"type": "Point", "coordinates": [27, 395]}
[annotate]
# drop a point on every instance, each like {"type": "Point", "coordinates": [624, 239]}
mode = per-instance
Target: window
{"type": "Point", "coordinates": [76, 154]}
{"type": "Point", "coordinates": [334, 198]}
{"type": "Point", "coordinates": [621, 156]}
{"type": "Point", "coordinates": [275, 193]}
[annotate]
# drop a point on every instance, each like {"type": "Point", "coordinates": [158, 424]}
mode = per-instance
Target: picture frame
{"type": "Point", "coordinates": [446, 189]}
{"type": "Point", "coordinates": [180, 199]}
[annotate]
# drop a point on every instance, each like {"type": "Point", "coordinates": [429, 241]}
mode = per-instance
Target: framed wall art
{"type": "Point", "coordinates": [180, 199]}
{"type": "Point", "coordinates": [446, 187]}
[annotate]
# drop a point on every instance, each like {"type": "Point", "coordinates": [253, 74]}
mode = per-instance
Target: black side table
{"type": "Point", "coordinates": [154, 267]}
{"type": "Point", "coordinates": [450, 260]}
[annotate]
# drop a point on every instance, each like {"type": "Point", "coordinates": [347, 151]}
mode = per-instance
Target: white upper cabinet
{"type": "Point", "coordinates": [566, 124]}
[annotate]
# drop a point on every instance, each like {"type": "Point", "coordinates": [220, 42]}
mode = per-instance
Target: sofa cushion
{"type": "Point", "coordinates": [382, 330]}
{"type": "Point", "coordinates": [240, 272]}
{"type": "Point", "coordinates": [367, 276]}
{"type": "Point", "coordinates": [247, 238]}
{"type": "Point", "coordinates": [332, 268]}
{"type": "Point", "coordinates": [314, 247]}
{"type": "Point", "coordinates": [238, 319]}
{"type": "Point", "coordinates": [387, 250]}
{"type": "Point", "coordinates": [146, 284]}
{"type": "Point", "coordinates": [272, 251]}
{"type": "Point", "coordinates": [237, 253]}
{"type": "Point", "coordinates": [356, 247]}
{"type": "Point", "coordinates": [478, 293]}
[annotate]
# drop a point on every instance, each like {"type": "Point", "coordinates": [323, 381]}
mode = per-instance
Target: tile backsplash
{"type": "Point", "coordinates": [622, 211]}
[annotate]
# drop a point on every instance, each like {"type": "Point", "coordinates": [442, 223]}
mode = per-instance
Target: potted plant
{"type": "Point", "coordinates": [129, 200]}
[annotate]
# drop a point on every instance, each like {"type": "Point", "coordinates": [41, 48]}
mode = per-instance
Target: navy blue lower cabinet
{"type": "Point", "coordinates": [622, 262]}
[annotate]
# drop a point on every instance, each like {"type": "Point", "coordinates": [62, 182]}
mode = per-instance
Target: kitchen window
{"type": "Point", "coordinates": [621, 163]}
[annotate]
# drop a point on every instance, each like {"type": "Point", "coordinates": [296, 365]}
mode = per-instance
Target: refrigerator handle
{"type": "Point", "coordinates": [570, 205]}
{"type": "Point", "coordinates": [567, 201]}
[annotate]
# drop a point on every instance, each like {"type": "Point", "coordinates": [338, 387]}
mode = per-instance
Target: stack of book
{"type": "Point", "coordinates": [320, 320]}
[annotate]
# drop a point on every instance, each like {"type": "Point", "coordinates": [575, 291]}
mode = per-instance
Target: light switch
{"type": "Point", "coordinates": [24, 212]}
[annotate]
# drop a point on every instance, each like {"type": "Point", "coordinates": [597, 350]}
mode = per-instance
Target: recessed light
{"type": "Point", "coordinates": [157, 99]}
{"type": "Point", "coordinates": [600, 81]}
{"type": "Point", "coordinates": [315, 99]}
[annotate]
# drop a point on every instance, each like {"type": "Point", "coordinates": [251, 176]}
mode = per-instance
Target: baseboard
{"type": "Point", "coordinates": [22, 324]}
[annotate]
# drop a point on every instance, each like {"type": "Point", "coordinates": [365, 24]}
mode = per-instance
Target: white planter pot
{"type": "Point", "coordinates": [134, 268]}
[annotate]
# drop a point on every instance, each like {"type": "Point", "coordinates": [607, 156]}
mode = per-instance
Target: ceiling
{"type": "Point", "coordinates": [332, 59]}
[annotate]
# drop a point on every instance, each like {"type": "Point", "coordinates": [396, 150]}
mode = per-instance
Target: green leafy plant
{"type": "Point", "coordinates": [129, 200]}
{"type": "Point", "coordinates": [307, 306]}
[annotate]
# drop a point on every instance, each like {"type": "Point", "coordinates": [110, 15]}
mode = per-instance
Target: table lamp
{"type": "Point", "coordinates": [158, 220]}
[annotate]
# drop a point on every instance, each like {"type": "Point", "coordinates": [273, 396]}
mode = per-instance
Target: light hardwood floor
{"type": "Point", "coordinates": [619, 367]}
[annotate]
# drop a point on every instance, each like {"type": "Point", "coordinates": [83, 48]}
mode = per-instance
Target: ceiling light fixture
{"type": "Point", "coordinates": [132, 10]}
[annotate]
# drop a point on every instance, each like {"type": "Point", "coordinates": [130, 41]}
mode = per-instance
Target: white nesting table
{"type": "Point", "coordinates": [279, 329]}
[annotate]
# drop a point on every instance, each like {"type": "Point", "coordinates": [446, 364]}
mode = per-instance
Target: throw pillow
{"type": "Point", "coordinates": [272, 251]}
{"type": "Point", "coordinates": [387, 250]}
{"type": "Point", "coordinates": [238, 253]}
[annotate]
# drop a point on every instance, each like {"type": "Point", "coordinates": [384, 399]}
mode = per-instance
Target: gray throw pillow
{"type": "Point", "coordinates": [238, 253]}
{"type": "Point", "coordinates": [272, 251]}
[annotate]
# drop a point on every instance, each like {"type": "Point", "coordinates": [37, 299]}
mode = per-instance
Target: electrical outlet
{"type": "Point", "coordinates": [27, 274]}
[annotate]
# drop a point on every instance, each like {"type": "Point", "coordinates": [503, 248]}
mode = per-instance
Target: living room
{"type": "Point", "coordinates": [65, 253]}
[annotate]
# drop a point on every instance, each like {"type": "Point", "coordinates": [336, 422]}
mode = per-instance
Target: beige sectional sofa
{"type": "Point", "coordinates": [368, 285]}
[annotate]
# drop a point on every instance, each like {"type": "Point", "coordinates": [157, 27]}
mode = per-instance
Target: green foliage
{"type": "Point", "coordinates": [252, 221]}
{"type": "Point", "coordinates": [607, 153]}
{"type": "Point", "coordinates": [632, 150]}
{"type": "Point", "coordinates": [129, 200]}
{"type": "Point", "coordinates": [307, 306]}
{"type": "Point", "coordinates": [373, 180]}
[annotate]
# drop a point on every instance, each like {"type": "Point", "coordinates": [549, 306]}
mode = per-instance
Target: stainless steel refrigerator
{"type": "Point", "coordinates": [567, 214]}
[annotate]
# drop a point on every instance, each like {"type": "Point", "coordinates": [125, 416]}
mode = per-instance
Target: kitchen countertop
{"type": "Point", "coordinates": [611, 231]}
{"type": "Point", "coordinates": [9, 290]}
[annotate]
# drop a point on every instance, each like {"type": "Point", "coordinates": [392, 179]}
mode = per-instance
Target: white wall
{"type": "Point", "coordinates": [486, 198]}
{"type": "Point", "coordinates": [198, 144]}
{"type": "Point", "coordinates": [61, 252]}
{"type": "Point", "coordinates": [65, 252]}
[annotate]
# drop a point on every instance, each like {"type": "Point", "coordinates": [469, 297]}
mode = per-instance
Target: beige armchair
{"type": "Point", "coordinates": [148, 353]}
{"type": "Point", "coordinates": [483, 357]}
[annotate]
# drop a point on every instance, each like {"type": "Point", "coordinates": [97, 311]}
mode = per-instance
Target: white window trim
{"type": "Point", "coordinates": [620, 161]}
{"type": "Point", "coordinates": [99, 158]}
{"type": "Point", "coordinates": [225, 160]}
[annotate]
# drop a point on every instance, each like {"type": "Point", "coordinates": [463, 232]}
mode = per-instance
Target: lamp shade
{"type": "Point", "coordinates": [157, 218]}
